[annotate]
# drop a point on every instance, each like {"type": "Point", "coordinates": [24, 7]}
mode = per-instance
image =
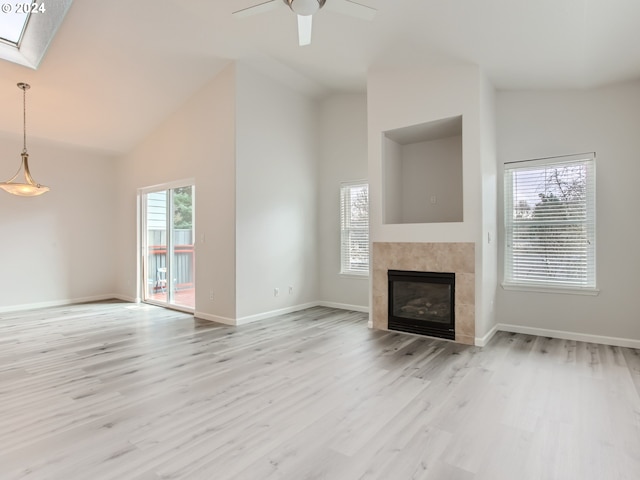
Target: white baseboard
{"type": "Point", "coordinates": [579, 337]}
{"type": "Point", "coordinates": [126, 298]}
{"type": "Point", "coordinates": [483, 341]}
{"type": "Point", "coordinates": [215, 318]}
{"type": "Point", "coordinates": [274, 313]}
{"type": "Point", "coordinates": [344, 306]}
{"type": "Point", "coordinates": [253, 318]}
{"type": "Point", "coordinates": [59, 303]}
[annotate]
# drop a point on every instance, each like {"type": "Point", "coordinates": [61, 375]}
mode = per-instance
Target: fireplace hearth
{"type": "Point", "coordinates": [422, 303]}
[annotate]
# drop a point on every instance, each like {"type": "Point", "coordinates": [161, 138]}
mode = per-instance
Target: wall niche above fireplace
{"type": "Point", "coordinates": [422, 173]}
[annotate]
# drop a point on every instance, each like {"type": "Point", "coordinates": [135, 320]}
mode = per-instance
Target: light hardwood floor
{"type": "Point", "coordinates": [122, 391]}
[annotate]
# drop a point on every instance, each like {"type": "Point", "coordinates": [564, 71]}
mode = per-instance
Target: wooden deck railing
{"type": "Point", "coordinates": [183, 266]}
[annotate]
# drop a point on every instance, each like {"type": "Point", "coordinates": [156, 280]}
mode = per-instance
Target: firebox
{"type": "Point", "coordinates": [422, 303]}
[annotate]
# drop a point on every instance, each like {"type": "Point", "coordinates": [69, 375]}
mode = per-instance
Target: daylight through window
{"type": "Point", "coordinates": [12, 25]}
{"type": "Point", "coordinates": [550, 222]}
{"type": "Point", "coordinates": [354, 221]}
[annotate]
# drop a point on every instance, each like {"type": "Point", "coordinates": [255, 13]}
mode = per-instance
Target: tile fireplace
{"type": "Point", "coordinates": [447, 258]}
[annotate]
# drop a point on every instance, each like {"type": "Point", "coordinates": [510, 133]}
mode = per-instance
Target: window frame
{"type": "Point", "coordinates": [346, 229]}
{"type": "Point", "coordinates": [587, 283]}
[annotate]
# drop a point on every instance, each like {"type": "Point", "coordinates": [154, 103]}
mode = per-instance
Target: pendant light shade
{"type": "Point", "coordinates": [22, 182]}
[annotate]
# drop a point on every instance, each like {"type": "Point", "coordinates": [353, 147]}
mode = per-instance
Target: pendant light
{"type": "Point", "coordinates": [28, 187]}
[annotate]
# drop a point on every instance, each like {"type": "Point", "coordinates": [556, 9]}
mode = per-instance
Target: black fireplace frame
{"type": "Point", "coordinates": [422, 327]}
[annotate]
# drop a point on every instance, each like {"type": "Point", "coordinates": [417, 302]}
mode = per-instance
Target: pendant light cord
{"type": "Point", "coordinates": [24, 120]}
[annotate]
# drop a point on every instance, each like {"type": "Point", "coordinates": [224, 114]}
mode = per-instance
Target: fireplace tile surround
{"type": "Point", "coordinates": [458, 258]}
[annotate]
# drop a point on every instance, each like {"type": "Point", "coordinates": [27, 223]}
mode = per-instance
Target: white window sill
{"type": "Point", "coordinates": [557, 290]}
{"type": "Point", "coordinates": [361, 276]}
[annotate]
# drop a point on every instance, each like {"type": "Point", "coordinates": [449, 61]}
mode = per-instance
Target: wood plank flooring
{"type": "Point", "coordinates": [123, 391]}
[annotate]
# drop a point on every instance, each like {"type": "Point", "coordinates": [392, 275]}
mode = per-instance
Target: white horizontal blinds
{"type": "Point", "coordinates": [354, 227]}
{"type": "Point", "coordinates": [550, 222]}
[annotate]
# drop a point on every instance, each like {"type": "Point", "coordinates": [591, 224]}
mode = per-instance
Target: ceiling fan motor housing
{"type": "Point", "coordinates": [305, 7]}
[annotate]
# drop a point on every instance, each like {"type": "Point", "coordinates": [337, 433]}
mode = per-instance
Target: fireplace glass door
{"type": "Point", "coordinates": [422, 302]}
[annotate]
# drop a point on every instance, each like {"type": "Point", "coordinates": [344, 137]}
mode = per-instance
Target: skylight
{"type": "Point", "coordinates": [12, 25]}
{"type": "Point", "coordinates": [26, 30]}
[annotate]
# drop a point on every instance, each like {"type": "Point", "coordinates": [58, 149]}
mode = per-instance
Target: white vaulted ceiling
{"type": "Point", "coordinates": [117, 68]}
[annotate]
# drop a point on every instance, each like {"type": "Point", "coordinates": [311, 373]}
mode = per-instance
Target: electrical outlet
{"type": "Point", "coordinates": [290, 289]}
{"type": "Point", "coordinates": [276, 292]}
{"type": "Point", "coordinates": [211, 294]}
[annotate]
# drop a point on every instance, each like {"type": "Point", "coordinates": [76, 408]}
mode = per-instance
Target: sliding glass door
{"type": "Point", "coordinates": [168, 256]}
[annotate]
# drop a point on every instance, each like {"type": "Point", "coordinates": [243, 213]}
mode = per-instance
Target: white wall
{"type": "Point", "coordinates": [487, 244]}
{"type": "Point", "coordinates": [391, 193]}
{"type": "Point", "coordinates": [606, 120]}
{"type": "Point", "coordinates": [276, 195]}
{"type": "Point", "coordinates": [343, 158]}
{"type": "Point", "coordinates": [197, 141]}
{"type": "Point", "coordinates": [432, 168]}
{"type": "Point", "coordinates": [252, 146]}
{"type": "Point", "coordinates": [57, 247]}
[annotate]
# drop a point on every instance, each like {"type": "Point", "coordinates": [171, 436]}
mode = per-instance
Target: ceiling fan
{"type": "Point", "coordinates": [305, 9]}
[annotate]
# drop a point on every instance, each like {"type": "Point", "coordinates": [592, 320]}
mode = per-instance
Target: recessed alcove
{"type": "Point", "coordinates": [422, 173]}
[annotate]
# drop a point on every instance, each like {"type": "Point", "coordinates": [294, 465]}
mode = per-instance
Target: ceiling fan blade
{"type": "Point", "coordinates": [353, 9]}
{"type": "Point", "coordinates": [304, 29]}
{"type": "Point", "coordinates": [256, 9]}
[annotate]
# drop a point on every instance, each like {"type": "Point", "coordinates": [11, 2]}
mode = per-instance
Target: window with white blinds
{"type": "Point", "coordinates": [550, 224]}
{"type": "Point", "coordinates": [354, 228]}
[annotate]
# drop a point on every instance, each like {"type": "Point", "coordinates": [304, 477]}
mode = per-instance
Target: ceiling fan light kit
{"type": "Point", "coordinates": [305, 9]}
